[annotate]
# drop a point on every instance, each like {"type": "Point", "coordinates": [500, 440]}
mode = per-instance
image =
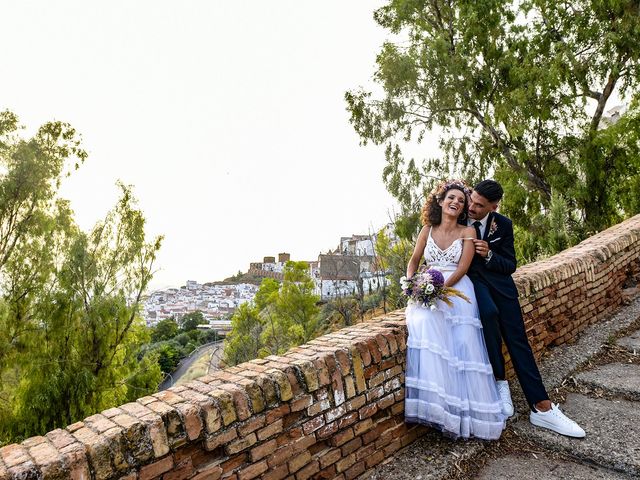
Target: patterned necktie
{"type": "Point", "coordinates": [476, 225]}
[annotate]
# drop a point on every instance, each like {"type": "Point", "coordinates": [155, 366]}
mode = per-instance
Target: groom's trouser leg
{"type": "Point", "coordinates": [490, 318]}
{"type": "Point", "coordinates": [515, 338]}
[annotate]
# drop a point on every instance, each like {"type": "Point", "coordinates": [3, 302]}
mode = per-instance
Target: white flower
{"type": "Point", "coordinates": [433, 308]}
{"type": "Point", "coordinates": [429, 288]}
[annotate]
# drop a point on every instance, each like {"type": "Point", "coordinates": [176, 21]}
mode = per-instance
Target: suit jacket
{"type": "Point", "coordinates": [496, 273]}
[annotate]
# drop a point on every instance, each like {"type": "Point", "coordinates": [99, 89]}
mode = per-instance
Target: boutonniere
{"type": "Point", "coordinates": [492, 228]}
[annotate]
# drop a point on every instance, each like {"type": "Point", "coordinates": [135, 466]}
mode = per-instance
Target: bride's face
{"type": "Point", "coordinates": [453, 203]}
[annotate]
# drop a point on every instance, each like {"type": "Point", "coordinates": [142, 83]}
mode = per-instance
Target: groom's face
{"type": "Point", "coordinates": [480, 206]}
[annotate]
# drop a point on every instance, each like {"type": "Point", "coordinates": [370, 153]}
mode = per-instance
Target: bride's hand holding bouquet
{"type": "Point", "coordinates": [426, 287]}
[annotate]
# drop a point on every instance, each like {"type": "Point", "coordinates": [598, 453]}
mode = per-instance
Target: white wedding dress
{"type": "Point", "coordinates": [449, 382]}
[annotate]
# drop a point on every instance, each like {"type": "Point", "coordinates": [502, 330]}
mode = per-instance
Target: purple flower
{"type": "Point", "coordinates": [436, 277]}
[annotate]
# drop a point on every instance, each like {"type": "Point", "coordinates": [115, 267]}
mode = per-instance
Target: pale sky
{"type": "Point", "coordinates": [228, 119]}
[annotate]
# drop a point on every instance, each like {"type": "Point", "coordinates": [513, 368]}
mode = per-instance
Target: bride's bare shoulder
{"type": "Point", "coordinates": [467, 232]}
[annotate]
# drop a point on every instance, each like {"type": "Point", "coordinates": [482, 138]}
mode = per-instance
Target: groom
{"type": "Point", "coordinates": [497, 297]}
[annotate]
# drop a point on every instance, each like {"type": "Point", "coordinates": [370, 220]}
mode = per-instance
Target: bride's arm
{"type": "Point", "coordinates": [418, 250]}
{"type": "Point", "coordinates": [468, 251]}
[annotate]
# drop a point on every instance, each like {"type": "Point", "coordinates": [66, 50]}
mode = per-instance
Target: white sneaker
{"type": "Point", "coordinates": [505, 397]}
{"type": "Point", "coordinates": [557, 421]}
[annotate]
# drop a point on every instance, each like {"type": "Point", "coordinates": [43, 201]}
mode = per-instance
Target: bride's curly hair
{"type": "Point", "coordinates": [432, 212]}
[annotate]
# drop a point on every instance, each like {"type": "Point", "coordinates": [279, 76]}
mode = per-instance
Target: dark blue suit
{"type": "Point", "coordinates": [500, 312]}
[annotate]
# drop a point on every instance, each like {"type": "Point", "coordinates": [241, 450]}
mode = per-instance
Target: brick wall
{"type": "Point", "coordinates": [332, 408]}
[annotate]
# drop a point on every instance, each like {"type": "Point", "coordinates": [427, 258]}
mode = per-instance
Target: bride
{"type": "Point", "coordinates": [449, 382]}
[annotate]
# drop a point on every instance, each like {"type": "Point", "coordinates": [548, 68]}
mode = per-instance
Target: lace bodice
{"type": "Point", "coordinates": [450, 256]}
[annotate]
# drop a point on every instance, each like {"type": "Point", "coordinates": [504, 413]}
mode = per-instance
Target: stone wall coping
{"type": "Point", "coordinates": [335, 402]}
{"type": "Point", "coordinates": [582, 258]}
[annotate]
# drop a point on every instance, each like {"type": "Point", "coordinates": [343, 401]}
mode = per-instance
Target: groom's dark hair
{"type": "Point", "coordinates": [489, 189]}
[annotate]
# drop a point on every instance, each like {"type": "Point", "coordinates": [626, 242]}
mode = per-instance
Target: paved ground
{"type": "Point", "coordinates": [543, 467]}
{"type": "Point", "coordinates": [208, 349]}
{"type": "Point", "coordinates": [597, 380]}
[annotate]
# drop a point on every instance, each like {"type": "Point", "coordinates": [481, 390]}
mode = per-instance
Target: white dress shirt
{"type": "Point", "coordinates": [483, 224]}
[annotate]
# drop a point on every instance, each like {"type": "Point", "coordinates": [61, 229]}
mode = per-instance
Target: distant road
{"type": "Point", "coordinates": [185, 363]}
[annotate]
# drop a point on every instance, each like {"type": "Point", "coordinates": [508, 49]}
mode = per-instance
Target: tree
{"type": "Point", "coordinates": [243, 342]}
{"type": "Point", "coordinates": [169, 356]}
{"type": "Point", "coordinates": [70, 332]}
{"type": "Point", "coordinates": [518, 90]}
{"type": "Point", "coordinates": [297, 304]}
{"type": "Point", "coordinates": [164, 330]}
{"type": "Point", "coordinates": [281, 316]}
{"type": "Point", "coordinates": [394, 258]}
{"type": "Point", "coordinates": [191, 321]}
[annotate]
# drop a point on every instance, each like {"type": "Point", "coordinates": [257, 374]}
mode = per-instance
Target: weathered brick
{"type": "Point", "coordinates": [322, 371]}
{"type": "Point", "coordinates": [327, 430]}
{"type": "Point", "coordinates": [218, 439]}
{"type": "Point", "coordinates": [240, 400]}
{"type": "Point", "coordinates": [48, 460]}
{"type": "Point", "coordinates": [98, 450]}
{"type": "Point", "coordinates": [363, 350]}
{"type": "Point", "coordinates": [190, 414]}
{"type": "Point", "coordinates": [176, 434]}
{"type": "Point", "coordinates": [354, 471]}
{"type": "Point", "coordinates": [299, 461]}
{"type": "Point", "coordinates": [280, 456]}
{"type": "Point", "coordinates": [336, 413]}
{"type": "Point", "coordinates": [224, 402]}
{"type": "Point", "coordinates": [385, 402]}
{"type": "Point", "coordinates": [383, 346]}
{"type": "Point", "coordinates": [351, 446]}
{"type": "Point", "coordinates": [270, 430]}
{"type": "Point", "coordinates": [181, 471]}
{"type": "Point", "coordinates": [356, 403]}
{"type": "Point", "coordinates": [262, 450]}
{"type": "Point", "coordinates": [277, 473]}
{"type": "Point", "coordinates": [319, 406]}
{"type": "Point", "coordinates": [254, 394]}
{"type": "Point", "coordinates": [361, 427]}
{"type": "Point", "coordinates": [329, 457]}
{"type": "Point", "coordinates": [358, 370]}
{"type": "Point", "coordinates": [233, 464]}
{"type": "Point", "coordinates": [269, 389]}
{"type": "Point", "coordinates": [313, 425]}
{"type": "Point", "coordinates": [308, 470]}
{"type": "Point", "coordinates": [374, 459]}
{"type": "Point", "coordinates": [156, 469]}
{"type": "Point", "coordinates": [347, 420]}
{"type": "Point", "coordinates": [375, 393]}
{"type": "Point", "coordinates": [349, 386]}
{"type": "Point", "coordinates": [376, 380]}
{"type": "Point", "coordinates": [14, 454]}
{"type": "Point", "coordinates": [342, 437]}
{"type": "Point", "coordinates": [169, 396]}
{"type": "Point", "coordinates": [99, 423]}
{"type": "Point", "coordinates": [301, 403]}
{"type": "Point", "coordinates": [368, 411]}
{"type": "Point", "coordinates": [308, 371]}
{"type": "Point", "coordinates": [345, 463]}
{"type": "Point", "coordinates": [342, 357]}
{"type": "Point", "coordinates": [251, 425]}
{"type": "Point", "coordinates": [241, 444]}
{"type": "Point", "coordinates": [253, 471]}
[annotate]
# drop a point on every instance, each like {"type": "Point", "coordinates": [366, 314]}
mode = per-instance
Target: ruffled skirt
{"type": "Point", "coordinates": [449, 382]}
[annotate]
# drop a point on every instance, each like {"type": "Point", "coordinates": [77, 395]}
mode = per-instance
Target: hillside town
{"type": "Point", "coordinates": [349, 269]}
{"type": "Point", "coordinates": [216, 302]}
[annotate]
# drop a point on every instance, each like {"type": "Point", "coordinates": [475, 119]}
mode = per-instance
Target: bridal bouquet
{"type": "Point", "coordinates": [426, 287]}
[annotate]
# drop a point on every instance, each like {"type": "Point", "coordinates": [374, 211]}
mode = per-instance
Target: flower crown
{"type": "Point", "coordinates": [447, 184]}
